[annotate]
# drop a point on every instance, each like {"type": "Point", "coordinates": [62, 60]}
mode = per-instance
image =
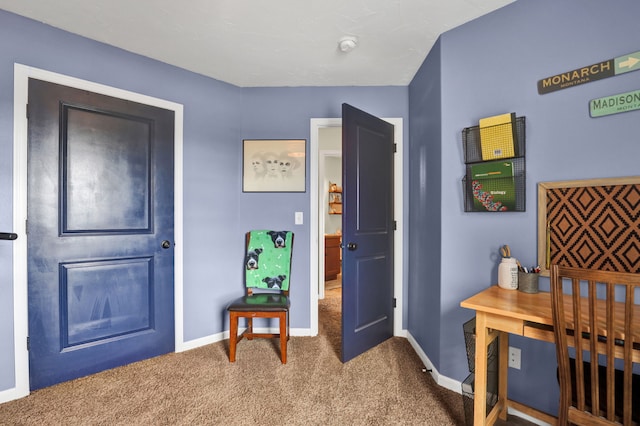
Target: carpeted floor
{"type": "Point", "coordinates": [384, 386]}
{"type": "Point", "coordinates": [332, 284]}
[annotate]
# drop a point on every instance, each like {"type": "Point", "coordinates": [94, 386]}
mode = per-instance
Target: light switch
{"type": "Point", "coordinates": [298, 218]}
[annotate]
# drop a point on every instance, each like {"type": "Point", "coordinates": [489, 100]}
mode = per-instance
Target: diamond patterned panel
{"type": "Point", "coordinates": [595, 227]}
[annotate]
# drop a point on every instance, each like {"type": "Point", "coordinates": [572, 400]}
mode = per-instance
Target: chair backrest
{"type": "Point", "coordinates": [598, 316]}
{"type": "Point", "coordinates": [268, 260]}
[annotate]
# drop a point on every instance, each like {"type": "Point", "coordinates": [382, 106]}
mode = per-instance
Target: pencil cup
{"type": "Point", "coordinates": [528, 283]}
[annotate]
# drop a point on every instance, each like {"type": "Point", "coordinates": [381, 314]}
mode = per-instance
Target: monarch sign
{"type": "Point", "coordinates": [589, 73]}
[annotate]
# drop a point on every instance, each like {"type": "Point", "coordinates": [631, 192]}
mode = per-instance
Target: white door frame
{"type": "Point", "coordinates": [316, 235]}
{"type": "Point", "coordinates": [22, 73]}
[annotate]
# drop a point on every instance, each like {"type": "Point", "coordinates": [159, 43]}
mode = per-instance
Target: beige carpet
{"type": "Point", "coordinates": [333, 284]}
{"type": "Point", "coordinates": [385, 386]}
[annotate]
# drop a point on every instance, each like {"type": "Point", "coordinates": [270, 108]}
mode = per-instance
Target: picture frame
{"type": "Point", "coordinates": [589, 223]}
{"type": "Point", "coordinates": [274, 165]}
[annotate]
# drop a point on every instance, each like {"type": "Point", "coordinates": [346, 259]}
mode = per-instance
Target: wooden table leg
{"type": "Point", "coordinates": [503, 367]}
{"type": "Point", "coordinates": [480, 388]}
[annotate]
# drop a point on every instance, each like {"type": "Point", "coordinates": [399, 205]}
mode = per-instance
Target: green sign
{"type": "Point", "coordinates": [604, 69]}
{"type": "Point", "coordinates": [627, 63]}
{"type": "Point", "coordinates": [615, 104]}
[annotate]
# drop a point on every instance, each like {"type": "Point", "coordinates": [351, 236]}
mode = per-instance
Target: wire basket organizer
{"type": "Point", "coordinates": [473, 149]}
{"type": "Point", "coordinates": [502, 188]}
{"type": "Point", "coordinates": [468, 385]}
{"type": "Point", "coordinates": [480, 194]}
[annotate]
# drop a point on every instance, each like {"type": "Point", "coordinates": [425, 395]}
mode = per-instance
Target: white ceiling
{"type": "Point", "coordinates": [261, 43]}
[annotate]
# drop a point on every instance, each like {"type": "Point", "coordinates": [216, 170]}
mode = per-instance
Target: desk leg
{"type": "Point", "coordinates": [480, 391]}
{"type": "Point", "coordinates": [503, 370]}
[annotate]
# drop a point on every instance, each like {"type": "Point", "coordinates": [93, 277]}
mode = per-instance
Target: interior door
{"type": "Point", "coordinates": [367, 228]}
{"type": "Point", "coordinates": [100, 232]}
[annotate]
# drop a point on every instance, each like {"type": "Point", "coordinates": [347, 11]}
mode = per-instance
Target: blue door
{"type": "Point", "coordinates": [100, 232]}
{"type": "Point", "coordinates": [367, 228]}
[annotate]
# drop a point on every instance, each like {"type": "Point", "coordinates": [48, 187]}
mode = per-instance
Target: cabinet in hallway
{"type": "Point", "coordinates": [332, 261]}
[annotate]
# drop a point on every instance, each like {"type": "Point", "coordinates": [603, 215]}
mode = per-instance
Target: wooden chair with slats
{"type": "Point", "coordinates": [596, 319]}
{"type": "Point", "coordinates": [267, 268]}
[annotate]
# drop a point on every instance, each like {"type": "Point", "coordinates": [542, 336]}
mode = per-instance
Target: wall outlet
{"type": "Point", "coordinates": [514, 358]}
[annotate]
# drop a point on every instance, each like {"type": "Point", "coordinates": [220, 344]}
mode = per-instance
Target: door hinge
{"type": "Point", "coordinates": [28, 344]}
{"type": "Point", "coordinates": [395, 225]}
{"type": "Point", "coordinates": [27, 110]}
{"type": "Point", "coordinates": [395, 148]}
{"type": "Point", "coordinates": [394, 302]}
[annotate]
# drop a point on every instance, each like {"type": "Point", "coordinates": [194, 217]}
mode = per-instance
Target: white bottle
{"type": "Point", "coordinates": [508, 273]}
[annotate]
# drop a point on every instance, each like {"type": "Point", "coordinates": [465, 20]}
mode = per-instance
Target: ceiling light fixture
{"type": "Point", "coordinates": [347, 43]}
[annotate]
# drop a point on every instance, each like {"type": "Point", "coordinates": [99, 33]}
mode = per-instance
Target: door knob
{"type": "Point", "coordinates": [166, 244]}
{"type": "Point", "coordinates": [352, 246]}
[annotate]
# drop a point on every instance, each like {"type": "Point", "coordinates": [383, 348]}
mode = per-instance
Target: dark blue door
{"type": "Point", "coordinates": [367, 228]}
{"type": "Point", "coordinates": [100, 232]}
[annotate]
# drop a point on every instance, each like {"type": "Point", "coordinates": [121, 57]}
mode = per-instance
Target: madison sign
{"type": "Point", "coordinates": [615, 104]}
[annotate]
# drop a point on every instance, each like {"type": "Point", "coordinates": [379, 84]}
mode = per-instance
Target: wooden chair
{"type": "Point", "coordinates": [267, 270]}
{"type": "Point", "coordinates": [600, 320]}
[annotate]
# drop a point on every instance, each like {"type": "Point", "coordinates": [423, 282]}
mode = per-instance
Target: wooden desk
{"type": "Point", "coordinates": [501, 312]}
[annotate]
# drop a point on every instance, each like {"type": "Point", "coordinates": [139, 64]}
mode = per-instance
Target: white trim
{"type": "Point", "coordinates": [20, 298]}
{"type": "Point", "coordinates": [398, 253]}
{"type": "Point", "coordinates": [526, 417]}
{"type": "Point", "coordinates": [207, 340]}
{"type": "Point", "coordinates": [315, 232]}
{"type": "Point", "coordinates": [445, 382]}
{"type": "Point", "coordinates": [22, 73]}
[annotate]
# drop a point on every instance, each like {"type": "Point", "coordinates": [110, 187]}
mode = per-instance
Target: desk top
{"type": "Point", "coordinates": [534, 307]}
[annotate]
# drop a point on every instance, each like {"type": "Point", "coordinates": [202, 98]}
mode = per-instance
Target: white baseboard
{"type": "Point", "coordinates": [11, 394]}
{"type": "Point", "coordinates": [526, 417]}
{"type": "Point", "coordinates": [445, 382]}
{"type": "Point", "coordinates": [202, 341]}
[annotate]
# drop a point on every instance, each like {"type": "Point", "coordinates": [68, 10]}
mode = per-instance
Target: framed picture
{"type": "Point", "coordinates": [590, 223]}
{"type": "Point", "coordinates": [273, 165]}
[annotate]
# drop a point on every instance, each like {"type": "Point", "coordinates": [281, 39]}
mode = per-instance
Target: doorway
{"type": "Point", "coordinates": [329, 214]}
{"type": "Point", "coordinates": [318, 208]}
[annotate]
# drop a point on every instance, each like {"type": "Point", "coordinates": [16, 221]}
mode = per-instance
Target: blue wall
{"type": "Point", "coordinates": [217, 116]}
{"type": "Point", "coordinates": [425, 212]}
{"type": "Point", "coordinates": [491, 66]}
{"type": "Point", "coordinates": [266, 113]}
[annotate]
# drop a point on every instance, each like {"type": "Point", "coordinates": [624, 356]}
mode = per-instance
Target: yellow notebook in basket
{"type": "Point", "coordinates": [497, 136]}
